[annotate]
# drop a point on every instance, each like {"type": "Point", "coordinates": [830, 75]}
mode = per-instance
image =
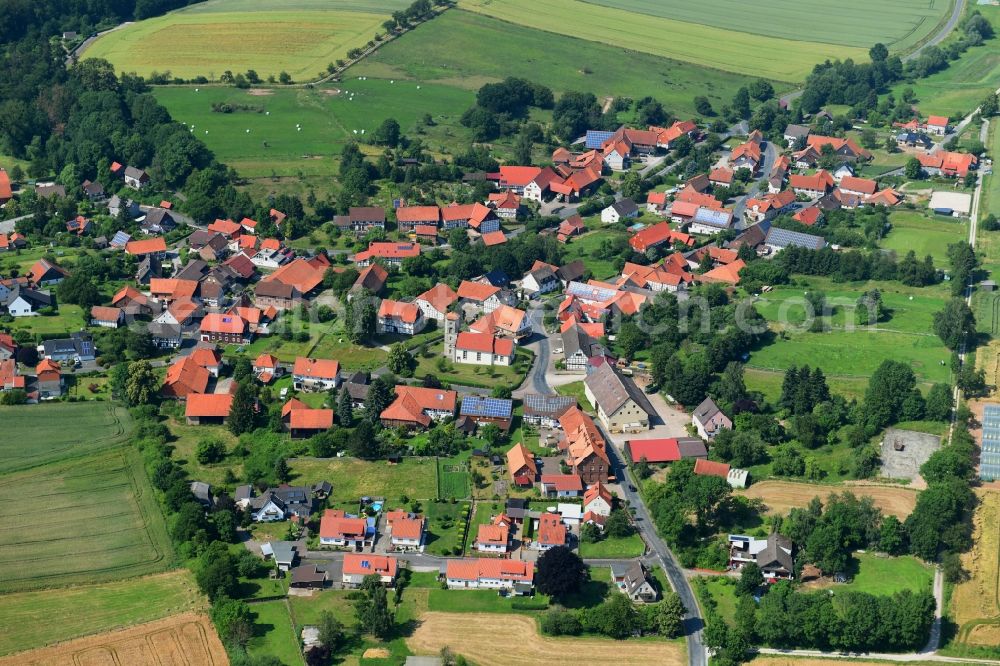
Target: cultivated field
{"type": "Point", "coordinates": [899, 24]}
{"type": "Point", "coordinates": [728, 50]}
{"type": "Point", "coordinates": [780, 496]}
{"type": "Point", "coordinates": [329, 118]}
{"type": "Point", "coordinates": [924, 235]}
{"type": "Point", "coordinates": [449, 50]}
{"type": "Point", "coordinates": [975, 605]}
{"type": "Point", "coordinates": [189, 638]}
{"type": "Point", "coordinates": [38, 434]}
{"type": "Point", "coordinates": [300, 38]}
{"type": "Point", "coordinates": [477, 637]}
{"type": "Point", "coordinates": [43, 617]}
{"type": "Point", "coordinates": [80, 521]}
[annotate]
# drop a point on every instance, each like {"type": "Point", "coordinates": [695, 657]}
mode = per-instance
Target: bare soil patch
{"type": "Point", "coordinates": [780, 496]}
{"type": "Point", "coordinates": [260, 92]}
{"type": "Point", "coordinates": [477, 635]}
{"type": "Point", "coordinates": [376, 653]}
{"type": "Point", "coordinates": [984, 634]}
{"type": "Point", "coordinates": [331, 91]}
{"type": "Point", "coordinates": [188, 638]}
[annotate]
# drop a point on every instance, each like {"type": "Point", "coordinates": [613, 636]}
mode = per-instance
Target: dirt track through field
{"type": "Point", "coordinates": [187, 639]}
{"type": "Point", "coordinates": [489, 639]}
{"type": "Point", "coordinates": [780, 496]}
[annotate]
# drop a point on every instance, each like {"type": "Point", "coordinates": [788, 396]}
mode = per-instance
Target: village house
{"type": "Point", "coordinates": [407, 533]}
{"type": "Point", "coordinates": [399, 318]}
{"type": "Point", "coordinates": [778, 239]}
{"type": "Point", "coordinates": [106, 317]}
{"type": "Point", "coordinates": [747, 155]}
{"type": "Point", "coordinates": [154, 248]}
{"type": "Point", "coordinates": [417, 406]}
{"type": "Point", "coordinates": [812, 186]}
{"type": "Point", "coordinates": [620, 404]}
{"type": "Point", "coordinates": [136, 178]}
{"type": "Point", "coordinates": [505, 204]}
{"type": "Point", "coordinates": [579, 348]}
{"type": "Point", "coordinates": [79, 346]}
{"type": "Point", "coordinates": [769, 205]}
{"type": "Point", "coordinates": [484, 297]}
{"type": "Point", "coordinates": [336, 528]}
{"type": "Point", "coordinates": [550, 532]}
{"type": "Point", "coordinates": [158, 221]}
{"type": "Point", "coordinates": [361, 219]}
{"type": "Point", "coordinates": [276, 504]}
{"type": "Point", "coordinates": [359, 565]}
{"type": "Point", "coordinates": [45, 273]}
{"type": "Point", "coordinates": [10, 377]}
{"type": "Point", "coordinates": [392, 254]}
{"type": "Point", "coordinates": [483, 410]}
{"type": "Point", "coordinates": [938, 125]}
{"type": "Point", "coordinates": [632, 580]}
{"type": "Point", "coordinates": [708, 419]}
{"type": "Point", "coordinates": [521, 466]}
{"type": "Point", "coordinates": [304, 275]}
{"type": "Point", "coordinates": [545, 410]}
{"type": "Point", "coordinates": [185, 377]}
{"type": "Point", "coordinates": [772, 555]}
{"type": "Point", "coordinates": [409, 217]}
{"type": "Point", "coordinates": [619, 210]}
{"type": "Point", "coordinates": [585, 448]}
{"type": "Point", "coordinates": [504, 322]}
{"type": "Point", "coordinates": [795, 133]}
{"type": "Point", "coordinates": [24, 302]}
{"type": "Point", "coordinates": [710, 221]}
{"type": "Point", "coordinates": [208, 408]}
{"type": "Point", "coordinates": [597, 500]}
{"type": "Point", "coordinates": [266, 367]}
{"type": "Point", "coordinates": [48, 379]}
{"type": "Point", "coordinates": [541, 279]}
{"type": "Point", "coordinates": [493, 539]}
{"type": "Point", "coordinates": [540, 185]}
{"type": "Point", "coordinates": [224, 328]}
{"type": "Point", "coordinates": [436, 301]}
{"type": "Point", "coordinates": [315, 374]}
{"type": "Point", "coordinates": [560, 485]}
{"type": "Point", "coordinates": [947, 163]}
{"type": "Point", "coordinates": [483, 349]}
{"type": "Point", "coordinates": [513, 576]}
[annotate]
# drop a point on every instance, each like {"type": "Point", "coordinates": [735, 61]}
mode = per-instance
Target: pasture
{"type": "Point", "coordinates": [924, 235]}
{"type": "Point", "coordinates": [780, 496]}
{"type": "Point", "coordinates": [851, 353]}
{"type": "Point", "coordinates": [726, 50]}
{"type": "Point", "coordinates": [100, 522]}
{"type": "Point", "coordinates": [351, 478]}
{"type": "Point", "coordinates": [36, 619]}
{"type": "Point", "coordinates": [300, 38]}
{"type": "Point", "coordinates": [449, 50]}
{"type": "Point", "coordinates": [329, 118]}
{"type": "Point", "coordinates": [39, 434]}
{"type": "Point", "coordinates": [899, 24]}
{"type": "Point", "coordinates": [476, 637]}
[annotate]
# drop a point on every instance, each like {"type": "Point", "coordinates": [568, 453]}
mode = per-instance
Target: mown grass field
{"type": "Point", "coordinates": [38, 434]}
{"type": "Point", "coordinates": [329, 121]}
{"type": "Point", "coordinates": [885, 576]}
{"type": "Point", "coordinates": [726, 50]}
{"type": "Point", "coordinates": [80, 521]}
{"type": "Point", "coordinates": [351, 478]}
{"type": "Point", "coordinates": [300, 38]}
{"type": "Point", "coordinates": [449, 50]}
{"type": "Point", "coordinates": [34, 619]}
{"type": "Point", "coordinates": [924, 235]}
{"type": "Point", "coordinates": [848, 354]}
{"type": "Point", "coordinates": [899, 24]}
{"type": "Point", "coordinates": [612, 548]}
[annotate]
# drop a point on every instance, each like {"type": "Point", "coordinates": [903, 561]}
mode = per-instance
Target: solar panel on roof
{"type": "Point", "coordinates": [596, 138]}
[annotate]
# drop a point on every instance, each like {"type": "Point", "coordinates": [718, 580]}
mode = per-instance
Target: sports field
{"type": "Point", "coordinates": [747, 53]}
{"type": "Point", "coordinates": [80, 521]}
{"type": "Point", "coordinates": [327, 117]}
{"type": "Point", "coordinates": [300, 37]}
{"type": "Point", "coordinates": [780, 496]}
{"type": "Point", "coordinates": [924, 235]}
{"type": "Point", "coordinates": [449, 50]}
{"type": "Point", "coordinates": [899, 24]}
{"type": "Point", "coordinates": [43, 617]}
{"type": "Point", "coordinates": [38, 434]}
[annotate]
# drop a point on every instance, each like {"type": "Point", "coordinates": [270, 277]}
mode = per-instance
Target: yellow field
{"type": "Point", "coordinates": [489, 639]}
{"type": "Point", "coordinates": [729, 50]}
{"type": "Point", "coordinates": [974, 603]}
{"type": "Point", "coordinates": [780, 496]}
{"type": "Point", "coordinates": [189, 638]}
{"type": "Point", "coordinates": [190, 44]}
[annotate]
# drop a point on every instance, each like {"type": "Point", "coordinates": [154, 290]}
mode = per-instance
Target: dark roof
{"type": "Point", "coordinates": [753, 236]}
{"type": "Point", "coordinates": [797, 131]}
{"type": "Point", "coordinates": [691, 447]}
{"type": "Point", "coordinates": [307, 574]}
{"type": "Point", "coordinates": [612, 390]}
{"type": "Point", "coordinates": [194, 270]}
{"type": "Point", "coordinates": [496, 278]}
{"type": "Point", "coordinates": [576, 339]}
{"type": "Point", "coordinates": [706, 410]}
{"type": "Point", "coordinates": [572, 271]}
{"type": "Point", "coordinates": [164, 331]}
{"type": "Point", "coordinates": [783, 238]}
{"type": "Point", "coordinates": [367, 214]}
{"type": "Point", "coordinates": [274, 289]}
{"type": "Point", "coordinates": [625, 207]}
{"type": "Point", "coordinates": [776, 552]}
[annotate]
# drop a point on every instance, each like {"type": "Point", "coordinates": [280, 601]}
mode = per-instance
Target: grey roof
{"type": "Point", "coordinates": [38, 299]}
{"type": "Point", "coordinates": [164, 331]}
{"type": "Point", "coordinates": [797, 131]}
{"type": "Point", "coordinates": [195, 269]}
{"type": "Point", "coordinates": [284, 551]}
{"type": "Point", "coordinates": [92, 188]}
{"type": "Point", "coordinates": [778, 551]}
{"type": "Point", "coordinates": [612, 390]}
{"type": "Point", "coordinates": [625, 207]}
{"type": "Point", "coordinates": [50, 190]}
{"type": "Point", "coordinates": [80, 344]}
{"type": "Point", "coordinates": [543, 274]}
{"type": "Point", "coordinates": [202, 491]}
{"type": "Point", "coordinates": [367, 214]}
{"type": "Point", "coordinates": [307, 573]}
{"type": "Point", "coordinates": [691, 447]}
{"type": "Point", "coordinates": [158, 218]}
{"type": "Point", "coordinates": [706, 410]}
{"type": "Point", "coordinates": [574, 270]}
{"type": "Point", "coordinates": [274, 289]}
{"type": "Point", "coordinates": [357, 391]}
{"type": "Point", "coordinates": [133, 172]}
{"type": "Point", "coordinates": [323, 487]}
{"type": "Point", "coordinates": [244, 492]}
{"type": "Point", "coordinates": [783, 238]}
{"type": "Point", "coordinates": [547, 405]}
{"type": "Point", "coordinates": [575, 339]}
{"type": "Point", "coordinates": [516, 508]}
{"type": "Point", "coordinates": [634, 574]}
{"type": "Point", "coordinates": [754, 235]}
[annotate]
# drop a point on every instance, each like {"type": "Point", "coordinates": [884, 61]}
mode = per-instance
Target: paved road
{"type": "Point", "coordinates": [536, 382]}
{"type": "Point", "coordinates": [90, 40]}
{"type": "Point", "coordinates": [956, 16]}
{"type": "Point", "coordinates": [770, 155]}
{"type": "Point", "coordinates": [877, 655]}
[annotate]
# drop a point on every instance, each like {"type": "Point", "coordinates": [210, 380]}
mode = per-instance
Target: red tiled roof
{"type": "Point", "coordinates": [146, 246]}
{"type": "Point", "coordinates": [441, 296]}
{"type": "Point", "coordinates": [292, 404]}
{"type": "Point", "coordinates": [311, 419]}
{"type": "Point", "coordinates": [563, 482]}
{"type": "Point", "coordinates": [492, 569]}
{"type": "Point", "coordinates": [651, 237]}
{"type": "Point", "coordinates": [862, 185]}
{"type": "Point", "coordinates": [225, 227]}
{"type": "Point", "coordinates": [721, 175]}
{"type": "Point", "coordinates": [131, 293]}
{"type": "Point", "coordinates": [425, 230]}
{"type": "Point", "coordinates": [517, 176]}
{"type": "Point", "coordinates": [418, 214]}
{"type": "Point", "coordinates": [808, 216]}
{"type": "Point", "coordinates": [216, 322]}
{"type": "Point", "coordinates": [520, 459]}
{"type": "Point", "coordinates": [335, 524]}
{"type": "Point", "coordinates": [817, 182]}
{"type": "Point", "coordinates": [728, 273]}
{"type": "Point", "coordinates": [597, 490]}
{"type": "Point", "coordinates": [172, 287]}
{"type": "Point", "coordinates": [937, 121]}
{"type": "Point", "coordinates": [320, 368]}
{"type": "Point", "coordinates": [104, 313]}
{"type": "Point", "coordinates": [388, 250]}
{"type": "Point", "coordinates": [266, 361]}
{"type": "Point", "coordinates": [711, 468]}
{"type": "Point", "coordinates": [300, 273]}
{"type": "Point", "coordinates": [485, 343]}
{"type": "Point", "coordinates": [551, 531]}
{"type": "Point", "coordinates": [406, 312]}
{"type": "Point", "coordinates": [493, 535]}
{"type": "Point", "coordinates": [408, 528]}
{"type": "Point", "coordinates": [5, 190]}
{"type": "Point", "coordinates": [817, 142]}
{"type": "Point", "coordinates": [208, 405]}
{"type": "Point", "coordinates": [412, 401]}
{"type": "Point", "coordinates": [492, 238]}
{"type": "Point", "coordinates": [363, 564]}
{"type": "Point", "coordinates": [654, 450]}
{"type": "Point", "coordinates": [476, 291]}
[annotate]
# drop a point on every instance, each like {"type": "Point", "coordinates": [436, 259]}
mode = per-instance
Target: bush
{"type": "Point", "coordinates": [559, 622]}
{"type": "Point", "coordinates": [210, 451]}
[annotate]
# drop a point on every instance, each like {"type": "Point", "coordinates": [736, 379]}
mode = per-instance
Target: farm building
{"type": "Point", "coordinates": [664, 450]}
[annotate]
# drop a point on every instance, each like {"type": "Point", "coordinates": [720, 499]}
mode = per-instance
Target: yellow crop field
{"type": "Point", "coordinates": [190, 44]}
{"type": "Point", "coordinates": [728, 50]}
{"type": "Point", "coordinates": [974, 603]}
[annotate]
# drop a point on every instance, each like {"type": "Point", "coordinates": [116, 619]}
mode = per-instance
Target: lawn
{"type": "Point", "coordinates": [35, 435]}
{"type": "Point", "coordinates": [726, 50]}
{"type": "Point", "coordinates": [858, 23]}
{"type": "Point", "coordinates": [723, 592]}
{"type": "Point", "coordinates": [300, 38]}
{"type": "Point", "coordinates": [453, 479]}
{"type": "Point", "coordinates": [34, 619]}
{"type": "Point", "coordinates": [587, 246]}
{"type": "Point", "coordinates": [329, 119]}
{"type": "Point", "coordinates": [325, 341]}
{"type": "Point", "coordinates": [575, 389]}
{"type": "Point", "coordinates": [848, 354]}
{"type": "Point", "coordinates": [449, 50]}
{"type": "Point", "coordinates": [100, 521]}
{"type": "Point", "coordinates": [924, 235]}
{"type": "Point", "coordinates": [446, 522]}
{"type": "Point", "coordinates": [480, 601]}
{"type": "Point", "coordinates": [431, 361]}
{"type": "Point", "coordinates": [352, 478]}
{"type": "Point", "coordinates": [885, 576]}
{"type": "Point", "coordinates": [68, 319]}
{"type": "Point", "coordinates": [613, 548]}
{"type": "Point", "coordinates": [273, 633]}
{"type": "Point", "coordinates": [186, 442]}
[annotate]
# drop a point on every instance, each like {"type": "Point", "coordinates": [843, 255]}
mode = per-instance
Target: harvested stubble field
{"type": "Point", "coordinates": [974, 603]}
{"type": "Point", "coordinates": [269, 37]}
{"type": "Point", "coordinates": [38, 434]}
{"type": "Point", "coordinates": [780, 496]}
{"type": "Point", "coordinates": [89, 520]}
{"type": "Point", "coordinates": [728, 50]}
{"type": "Point", "coordinates": [477, 635]}
{"type": "Point", "coordinates": [188, 638]}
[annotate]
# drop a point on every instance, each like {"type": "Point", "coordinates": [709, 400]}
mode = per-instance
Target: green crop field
{"type": "Point", "coordinates": [727, 50]}
{"type": "Point", "coordinates": [449, 50]}
{"type": "Point", "coordinates": [43, 617]}
{"type": "Point", "coordinates": [899, 24]}
{"type": "Point", "coordinates": [453, 476]}
{"type": "Point", "coordinates": [300, 38]}
{"type": "Point", "coordinates": [328, 118]}
{"type": "Point", "coordinates": [38, 434]}
{"type": "Point", "coordinates": [852, 355]}
{"type": "Point", "coordinates": [88, 520]}
{"type": "Point", "coordinates": [924, 235]}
